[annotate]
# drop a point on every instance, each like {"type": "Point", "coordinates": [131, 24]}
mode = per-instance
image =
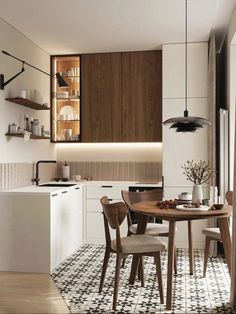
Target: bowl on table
{"type": "Point", "coordinates": [217, 206]}
{"type": "Point", "coordinates": [185, 196]}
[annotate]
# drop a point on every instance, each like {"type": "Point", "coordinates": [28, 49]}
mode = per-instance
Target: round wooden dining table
{"type": "Point", "coordinates": [145, 209]}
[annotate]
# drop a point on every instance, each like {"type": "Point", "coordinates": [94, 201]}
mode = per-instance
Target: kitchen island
{"type": "Point", "coordinates": [40, 227]}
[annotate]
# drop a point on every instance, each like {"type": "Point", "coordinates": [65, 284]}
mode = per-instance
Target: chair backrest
{"type": "Point", "coordinates": [229, 198]}
{"type": "Point", "coordinates": [130, 198]}
{"type": "Point", "coordinates": [113, 214]}
{"type": "Point", "coordinates": [136, 197]}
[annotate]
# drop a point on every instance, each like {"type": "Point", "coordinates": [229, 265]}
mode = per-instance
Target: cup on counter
{"type": "Point", "coordinates": [77, 177]}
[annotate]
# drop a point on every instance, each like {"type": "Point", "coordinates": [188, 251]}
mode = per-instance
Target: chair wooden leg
{"type": "Point", "coordinates": [175, 260]}
{"type": "Point", "coordinates": [104, 268]}
{"type": "Point", "coordinates": [116, 283]}
{"type": "Point", "coordinates": [141, 271]}
{"type": "Point", "coordinates": [206, 254]}
{"type": "Point", "coordinates": [159, 276]}
{"type": "Point", "coordinates": [123, 262]}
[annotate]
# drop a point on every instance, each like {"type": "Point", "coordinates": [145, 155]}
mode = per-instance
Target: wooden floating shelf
{"type": "Point", "coordinates": [35, 137]}
{"type": "Point", "coordinates": [27, 103]}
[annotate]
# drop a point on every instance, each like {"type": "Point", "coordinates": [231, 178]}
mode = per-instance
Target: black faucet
{"type": "Point", "coordinates": [36, 179]}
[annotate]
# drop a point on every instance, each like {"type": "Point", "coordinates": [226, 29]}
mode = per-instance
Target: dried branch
{"type": "Point", "coordinates": [198, 172]}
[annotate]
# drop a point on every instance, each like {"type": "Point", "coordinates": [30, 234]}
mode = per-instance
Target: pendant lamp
{"type": "Point", "coordinates": [186, 123]}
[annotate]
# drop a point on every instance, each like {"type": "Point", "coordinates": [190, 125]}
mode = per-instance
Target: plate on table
{"type": "Point", "coordinates": [180, 201]}
{"type": "Point", "coordinates": [202, 208]}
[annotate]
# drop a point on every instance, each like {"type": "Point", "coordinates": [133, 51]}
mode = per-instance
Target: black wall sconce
{"type": "Point", "coordinates": [61, 82]}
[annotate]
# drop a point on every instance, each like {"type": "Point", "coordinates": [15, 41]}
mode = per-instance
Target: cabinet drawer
{"type": "Point", "coordinates": [94, 205]}
{"type": "Point", "coordinates": [112, 192]}
{"type": "Point", "coordinates": [95, 227]}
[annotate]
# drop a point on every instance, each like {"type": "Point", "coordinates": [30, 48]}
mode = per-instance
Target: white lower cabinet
{"type": "Point", "coordinates": [66, 224]}
{"type": "Point", "coordinates": [94, 224]}
{"type": "Point", "coordinates": [39, 230]}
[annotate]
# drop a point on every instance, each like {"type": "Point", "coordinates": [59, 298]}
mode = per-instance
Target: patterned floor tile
{"type": "Point", "coordinates": [78, 280]}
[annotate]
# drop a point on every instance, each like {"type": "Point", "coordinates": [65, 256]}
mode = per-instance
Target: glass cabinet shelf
{"type": "Point", "coordinates": [65, 101]}
{"type": "Point", "coordinates": [69, 98]}
{"type": "Point", "coordinates": [58, 120]}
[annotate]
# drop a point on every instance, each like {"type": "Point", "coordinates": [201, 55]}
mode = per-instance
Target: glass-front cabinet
{"type": "Point", "coordinates": [65, 98]}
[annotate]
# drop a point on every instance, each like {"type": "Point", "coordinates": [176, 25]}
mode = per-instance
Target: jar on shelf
{"type": "Point", "coordinates": [36, 128]}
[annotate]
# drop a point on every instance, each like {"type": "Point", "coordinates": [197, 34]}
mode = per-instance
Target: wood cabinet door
{"type": "Point", "coordinates": [101, 97]}
{"type": "Point", "coordinates": [142, 96]}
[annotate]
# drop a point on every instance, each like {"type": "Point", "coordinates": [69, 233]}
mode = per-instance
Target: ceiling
{"type": "Point", "coordinates": [81, 26]}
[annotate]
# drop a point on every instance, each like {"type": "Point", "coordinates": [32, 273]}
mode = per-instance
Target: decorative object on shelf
{"type": "Point", "coordinates": [36, 127]}
{"type": "Point", "coordinates": [27, 123]}
{"type": "Point", "coordinates": [198, 173]}
{"type": "Point", "coordinates": [186, 124]}
{"type": "Point", "coordinates": [12, 128]}
{"type": "Point", "coordinates": [60, 80]}
{"type": "Point", "coordinates": [32, 129]}
{"type": "Point", "coordinates": [23, 93]}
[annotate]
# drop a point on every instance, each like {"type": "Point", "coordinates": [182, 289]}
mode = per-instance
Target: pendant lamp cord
{"type": "Point", "coordinates": [186, 57]}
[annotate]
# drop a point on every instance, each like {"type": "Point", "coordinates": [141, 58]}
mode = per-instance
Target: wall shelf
{"type": "Point", "coordinates": [27, 103]}
{"type": "Point", "coordinates": [35, 137]}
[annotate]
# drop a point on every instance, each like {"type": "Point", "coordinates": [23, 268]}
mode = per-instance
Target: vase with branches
{"type": "Point", "coordinates": [198, 172]}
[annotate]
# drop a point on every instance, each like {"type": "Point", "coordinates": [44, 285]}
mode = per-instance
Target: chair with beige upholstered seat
{"type": "Point", "coordinates": [138, 245]}
{"type": "Point", "coordinates": [152, 229]}
{"type": "Point", "coordinates": [213, 234]}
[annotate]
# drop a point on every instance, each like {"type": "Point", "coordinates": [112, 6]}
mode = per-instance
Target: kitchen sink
{"type": "Point", "coordinates": [57, 184]}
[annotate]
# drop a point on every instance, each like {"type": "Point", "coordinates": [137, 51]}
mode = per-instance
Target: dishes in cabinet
{"type": "Point", "coordinates": [67, 111]}
{"type": "Point", "coordinates": [63, 94]}
{"type": "Point", "coordinates": [66, 102]}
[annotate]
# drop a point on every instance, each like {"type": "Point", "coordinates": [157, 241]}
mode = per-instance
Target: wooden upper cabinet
{"type": "Point", "coordinates": [141, 96]}
{"type": "Point", "coordinates": [101, 97]}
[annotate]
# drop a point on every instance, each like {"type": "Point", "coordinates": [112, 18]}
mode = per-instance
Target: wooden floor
{"type": "Point", "coordinates": [29, 293]}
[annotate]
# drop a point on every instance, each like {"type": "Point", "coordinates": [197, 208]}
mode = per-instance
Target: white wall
{"type": "Point", "coordinates": [14, 149]}
{"type": "Point", "coordinates": [180, 147]}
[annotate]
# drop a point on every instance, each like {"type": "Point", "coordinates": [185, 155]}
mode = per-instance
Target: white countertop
{"type": "Point", "coordinates": [34, 189]}
{"type": "Point", "coordinates": [124, 183]}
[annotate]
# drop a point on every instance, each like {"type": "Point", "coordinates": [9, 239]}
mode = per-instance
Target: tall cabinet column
{"type": "Point", "coordinates": [180, 147]}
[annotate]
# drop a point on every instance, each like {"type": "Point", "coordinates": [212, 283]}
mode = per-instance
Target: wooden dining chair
{"type": "Point", "coordinates": [213, 234]}
{"type": "Point", "coordinates": [152, 229]}
{"type": "Point", "coordinates": [137, 245]}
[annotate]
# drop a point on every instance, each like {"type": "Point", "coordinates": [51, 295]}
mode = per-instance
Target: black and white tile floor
{"type": "Point", "coordinates": [78, 280]}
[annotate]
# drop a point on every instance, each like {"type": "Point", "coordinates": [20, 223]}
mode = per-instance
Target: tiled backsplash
{"type": "Point", "coordinates": [20, 174]}
{"type": "Point", "coordinates": [115, 170]}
